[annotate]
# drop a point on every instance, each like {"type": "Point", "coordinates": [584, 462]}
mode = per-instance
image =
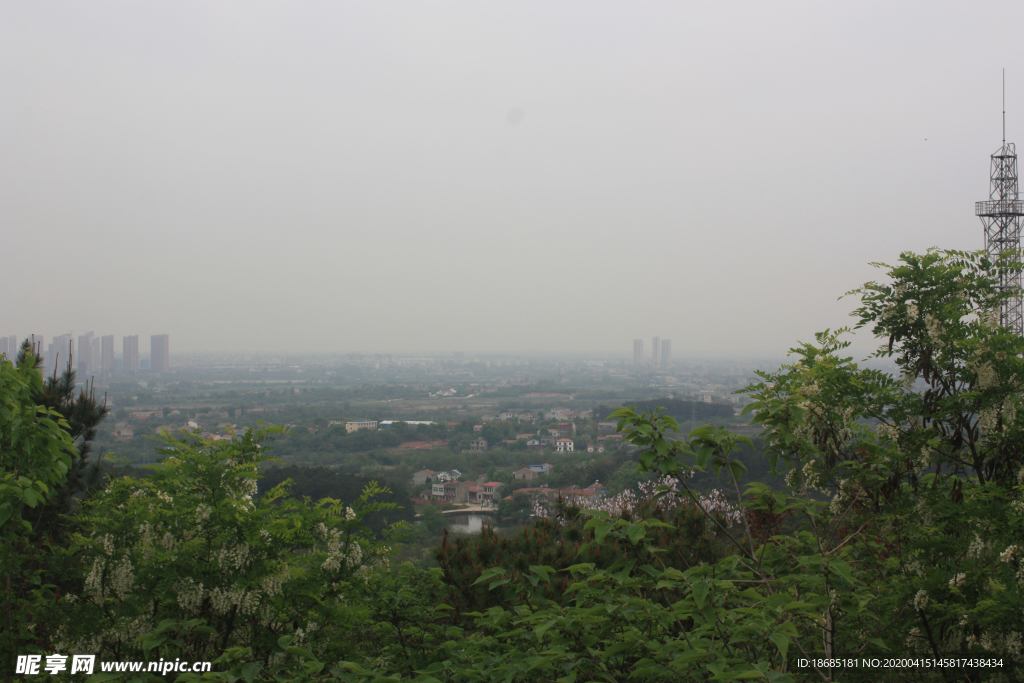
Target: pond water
{"type": "Point", "coordinates": [469, 523]}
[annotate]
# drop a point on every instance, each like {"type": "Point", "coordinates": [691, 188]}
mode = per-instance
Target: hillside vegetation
{"type": "Point", "coordinates": [900, 539]}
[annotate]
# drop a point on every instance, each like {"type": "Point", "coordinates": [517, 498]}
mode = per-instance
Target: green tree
{"type": "Point", "coordinates": [433, 520]}
{"type": "Point", "coordinates": [187, 563]}
{"type": "Point", "coordinates": [36, 455]}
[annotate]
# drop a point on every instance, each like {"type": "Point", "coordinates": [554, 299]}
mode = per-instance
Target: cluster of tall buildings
{"type": "Point", "coordinates": [661, 352]}
{"type": "Point", "coordinates": [92, 355]}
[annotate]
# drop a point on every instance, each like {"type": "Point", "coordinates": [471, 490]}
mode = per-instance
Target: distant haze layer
{"type": "Point", "coordinates": [491, 177]}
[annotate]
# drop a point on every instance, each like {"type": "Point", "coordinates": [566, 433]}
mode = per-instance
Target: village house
{"type": "Point", "coordinates": [534, 445]}
{"type": "Point", "coordinates": [584, 498]}
{"type": "Point", "coordinates": [356, 425]}
{"type": "Point", "coordinates": [524, 474]}
{"type": "Point", "coordinates": [478, 429]}
{"type": "Point", "coordinates": [595, 447]}
{"type": "Point", "coordinates": [564, 445]}
{"type": "Point", "coordinates": [543, 468]}
{"type": "Point", "coordinates": [123, 431]}
{"type": "Point", "coordinates": [424, 477]}
{"type": "Point", "coordinates": [490, 491]}
{"type": "Point", "coordinates": [478, 445]}
{"type": "Point", "coordinates": [609, 427]}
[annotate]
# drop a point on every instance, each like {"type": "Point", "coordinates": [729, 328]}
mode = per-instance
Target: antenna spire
{"type": "Point", "coordinates": [1004, 107]}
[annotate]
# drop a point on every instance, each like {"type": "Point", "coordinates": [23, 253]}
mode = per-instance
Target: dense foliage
{"type": "Point", "coordinates": [898, 530]}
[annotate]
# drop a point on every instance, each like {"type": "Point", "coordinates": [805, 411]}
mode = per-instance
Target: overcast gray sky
{"type": "Point", "coordinates": [481, 176]}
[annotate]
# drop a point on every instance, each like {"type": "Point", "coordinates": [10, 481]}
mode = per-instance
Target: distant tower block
{"type": "Point", "coordinates": [666, 352]}
{"type": "Point", "coordinates": [638, 352]}
{"type": "Point", "coordinates": [1001, 216]}
{"type": "Point", "coordinates": [656, 352]}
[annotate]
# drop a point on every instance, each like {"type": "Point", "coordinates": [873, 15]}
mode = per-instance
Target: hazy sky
{"type": "Point", "coordinates": [558, 176]}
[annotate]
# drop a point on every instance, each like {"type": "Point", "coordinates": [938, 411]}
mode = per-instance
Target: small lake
{"type": "Point", "coordinates": [469, 523]}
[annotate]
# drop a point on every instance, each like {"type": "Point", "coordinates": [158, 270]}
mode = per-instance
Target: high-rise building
{"type": "Point", "coordinates": [131, 354]}
{"type": "Point", "coordinates": [12, 346]}
{"type": "Point", "coordinates": [107, 361]}
{"type": "Point", "coordinates": [84, 361]}
{"type": "Point", "coordinates": [638, 352]}
{"type": "Point", "coordinates": [656, 352]}
{"type": "Point", "coordinates": [96, 359]}
{"type": "Point", "coordinates": [160, 353]}
{"type": "Point", "coordinates": [666, 352]}
{"type": "Point", "coordinates": [58, 354]}
{"type": "Point", "coordinates": [3, 346]}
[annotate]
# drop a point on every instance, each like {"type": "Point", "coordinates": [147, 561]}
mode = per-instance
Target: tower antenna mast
{"type": "Point", "coordinates": [1001, 218]}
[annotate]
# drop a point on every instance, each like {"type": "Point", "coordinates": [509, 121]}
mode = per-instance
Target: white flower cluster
{"type": "Point", "coordinates": [190, 595]}
{"type": "Point", "coordinates": [988, 376]}
{"type": "Point", "coordinates": [203, 512]}
{"type": "Point", "coordinates": [957, 581]}
{"type": "Point", "coordinates": [122, 578]}
{"type": "Point", "coordinates": [977, 547]}
{"type": "Point", "coordinates": [233, 558]}
{"type": "Point", "coordinates": [811, 389]}
{"type": "Point", "coordinates": [167, 541]}
{"type": "Point", "coordinates": [129, 630]}
{"type": "Point", "coordinates": [249, 487]}
{"type": "Point", "coordinates": [887, 431]}
{"type": "Point", "coordinates": [935, 329]}
{"type": "Point", "coordinates": [912, 312]}
{"type": "Point", "coordinates": [914, 639]}
{"type": "Point", "coordinates": [846, 494]}
{"type": "Point", "coordinates": [221, 601]}
{"type": "Point", "coordinates": [272, 585]}
{"type": "Point", "coordinates": [350, 514]}
{"type": "Point", "coordinates": [673, 497]}
{"type": "Point", "coordinates": [1007, 555]}
{"type": "Point", "coordinates": [94, 580]}
{"type": "Point", "coordinates": [110, 579]}
{"type": "Point", "coordinates": [164, 497]}
{"type": "Point", "coordinates": [988, 419]}
{"type": "Point", "coordinates": [921, 599]}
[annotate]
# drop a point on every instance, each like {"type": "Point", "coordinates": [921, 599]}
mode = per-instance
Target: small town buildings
{"type": "Point", "coordinates": [564, 445]}
{"type": "Point", "coordinates": [424, 477]}
{"type": "Point", "coordinates": [490, 491]}
{"type": "Point", "coordinates": [534, 445]}
{"type": "Point", "coordinates": [356, 425]}
{"type": "Point", "coordinates": [543, 468]}
{"type": "Point", "coordinates": [609, 427]}
{"type": "Point", "coordinates": [123, 431]}
{"type": "Point", "coordinates": [478, 445]}
{"type": "Point", "coordinates": [478, 429]}
{"type": "Point", "coordinates": [524, 474]}
{"type": "Point", "coordinates": [566, 429]}
{"type": "Point", "coordinates": [595, 447]}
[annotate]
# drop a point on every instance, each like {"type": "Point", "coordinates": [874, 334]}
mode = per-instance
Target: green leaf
{"type": "Point", "coordinates": [635, 533]}
{"type": "Point", "coordinates": [250, 670]}
{"type": "Point", "coordinates": [301, 652]}
{"type": "Point", "coordinates": [843, 569]}
{"type": "Point", "coordinates": [782, 642]}
{"type": "Point", "coordinates": [700, 593]}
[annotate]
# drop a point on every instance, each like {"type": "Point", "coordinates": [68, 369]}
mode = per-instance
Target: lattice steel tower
{"type": "Point", "coordinates": [1001, 216]}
